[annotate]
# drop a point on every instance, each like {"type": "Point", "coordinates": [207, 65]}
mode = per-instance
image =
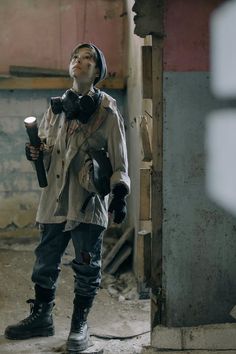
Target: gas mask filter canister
{"type": "Point", "coordinates": [76, 106]}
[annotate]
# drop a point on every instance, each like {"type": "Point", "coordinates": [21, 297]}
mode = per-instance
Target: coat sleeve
{"type": "Point", "coordinates": [117, 151]}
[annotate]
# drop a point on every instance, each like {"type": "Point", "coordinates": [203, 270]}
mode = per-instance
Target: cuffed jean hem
{"type": "Point", "coordinates": [87, 241]}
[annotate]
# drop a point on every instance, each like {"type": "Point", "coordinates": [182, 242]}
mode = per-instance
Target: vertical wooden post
{"type": "Point", "coordinates": [157, 299]}
{"type": "Point", "coordinates": [147, 71]}
{"type": "Point", "coordinates": [143, 268]}
{"type": "Point", "coordinates": [145, 203]}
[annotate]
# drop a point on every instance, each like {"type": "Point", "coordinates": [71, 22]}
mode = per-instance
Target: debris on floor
{"type": "Point", "coordinates": [119, 322]}
{"type": "Point", "coordinates": [118, 278]}
{"type": "Point", "coordinates": [122, 286]}
{"type": "Point", "coordinates": [121, 250]}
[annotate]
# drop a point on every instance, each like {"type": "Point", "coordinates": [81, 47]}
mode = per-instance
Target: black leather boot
{"type": "Point", "coordinates": [78, 339]}
{"type": "Point", "coordinates": [38, 324]}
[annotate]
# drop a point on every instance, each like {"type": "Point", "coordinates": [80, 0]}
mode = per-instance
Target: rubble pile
{"type": "Point", "coordinates": [121, 284]}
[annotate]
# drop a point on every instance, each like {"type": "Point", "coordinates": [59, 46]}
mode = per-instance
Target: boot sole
{"type": "Point", "coordinates": [38, 332]}
{"type": "Point", "coordinates": [74, 347]}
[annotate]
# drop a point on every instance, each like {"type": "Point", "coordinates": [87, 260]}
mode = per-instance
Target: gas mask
{"type": "Point", "coordinates": [76, 106]}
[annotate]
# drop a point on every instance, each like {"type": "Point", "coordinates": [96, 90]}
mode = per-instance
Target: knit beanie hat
{"type": "Point", "coordinates": [101, 61]}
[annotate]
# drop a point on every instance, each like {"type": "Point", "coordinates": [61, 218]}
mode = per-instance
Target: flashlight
{"type": "Point", "coordinates": [32, 131]}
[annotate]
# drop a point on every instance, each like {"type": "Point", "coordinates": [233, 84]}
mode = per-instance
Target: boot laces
{"type": "Point", "coordinates": [34, 314]}
{"type": "Point", "coordinates": [79, 326]}
{"type": "Point", "coordinates": [79, 320]}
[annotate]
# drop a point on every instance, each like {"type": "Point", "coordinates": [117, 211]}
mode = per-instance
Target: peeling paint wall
{"type": "Point", "coordinates": [199, 243]}
{"type": "Point", "coordinates": [42, 33]}
{"type": "Point", "coordinates": [19, 191]}
{"type": "Point", "coordinates": [187, 34]}
{"type": "Point", "coordinates": [199, 238]}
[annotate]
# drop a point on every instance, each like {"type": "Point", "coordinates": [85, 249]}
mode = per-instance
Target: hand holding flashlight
{"type": "Point", "coordinates": [33, 150]}
{"type": "Point", "coordinates": [32, 153]}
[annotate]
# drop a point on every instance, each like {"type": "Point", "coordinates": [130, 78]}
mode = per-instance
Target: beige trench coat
{"type": "Point", "coordinates": [65, 157]}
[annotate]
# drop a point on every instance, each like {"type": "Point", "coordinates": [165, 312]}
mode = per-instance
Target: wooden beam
{"type": "Point", "coordinates": [32, 71]}
{"type": "Point", "coordinates": [147, 71]}
{"type": "Point", "coordinates": [52, 83]}
{"type": "Point", "coordinates": [127, 236]}
{"type": "Point", "coordinates": [143, 266]}
{"type": "Point", "coordinates": [34, 83]}
{"type": "Point", "coordinates": [121, 256]}
{"type": "Point", "coordinates": [158, 308]}
{"type": "Point", "coordinates": [145, 140]}
{"type": "Point", "coordinates": [145, 195]}
{"type": "Point", "coordinates": [115, 83]}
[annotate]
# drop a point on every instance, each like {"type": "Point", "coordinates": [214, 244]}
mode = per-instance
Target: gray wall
{"type": "Point", "coordinates": [199, 239]}
{"type": "Point", "coordinates": [19, 191]}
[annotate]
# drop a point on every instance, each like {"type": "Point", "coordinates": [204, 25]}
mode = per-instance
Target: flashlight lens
{"type": "Point", "coordinates": [30, 120]}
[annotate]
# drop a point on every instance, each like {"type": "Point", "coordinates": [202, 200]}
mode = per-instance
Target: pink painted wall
{"type": "Point", "coordinates": [43, 33]}
{"type": "Point", "coordinates": [187, 34]}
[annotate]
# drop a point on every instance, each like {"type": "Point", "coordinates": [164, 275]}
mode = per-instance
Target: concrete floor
{"type": "Point", "coordinates": [115, 326]}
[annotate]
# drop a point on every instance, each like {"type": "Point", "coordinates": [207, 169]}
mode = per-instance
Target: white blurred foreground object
{"type": "Point", "coordinates": [233, 312]}
{"type": "Point", "coordinates": [223, 50]}
{"type": "Point", "coordinates": [221, 158]}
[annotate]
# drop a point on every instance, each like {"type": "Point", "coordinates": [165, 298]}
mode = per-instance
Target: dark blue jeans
{"type": "Point", "coordinates": [87, 241]}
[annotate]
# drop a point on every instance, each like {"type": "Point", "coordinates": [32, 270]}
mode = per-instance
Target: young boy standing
{"type": "Point", "coordinates": [71, 206]}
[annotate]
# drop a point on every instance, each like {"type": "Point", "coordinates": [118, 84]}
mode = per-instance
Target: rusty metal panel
{"type": "Point", "coordinates": [187, 34]}
{"type": "Point", "coordinates": [43, 33]}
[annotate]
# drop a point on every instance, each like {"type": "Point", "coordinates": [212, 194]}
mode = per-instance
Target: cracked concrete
{"type": "Point", "coordinates": [115, 326]}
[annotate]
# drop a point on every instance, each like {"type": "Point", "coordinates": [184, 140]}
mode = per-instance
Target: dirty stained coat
{"type": "Point", "coordinates": [65, 156]}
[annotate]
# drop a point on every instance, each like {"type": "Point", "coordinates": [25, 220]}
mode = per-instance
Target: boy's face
{"type": "Point", "coordinates": [83, 65]}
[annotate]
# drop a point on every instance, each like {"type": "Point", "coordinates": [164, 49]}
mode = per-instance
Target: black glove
{"type": "Point", "coordinates": [118, 203]}
{"type": "Point", "coordinates": [29, 155]}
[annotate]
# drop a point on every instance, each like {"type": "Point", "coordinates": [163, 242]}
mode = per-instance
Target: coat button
{"type": "Point", "coordinates": [58, 151]}
{"type": "Point", "coordinates": [58, 176]}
